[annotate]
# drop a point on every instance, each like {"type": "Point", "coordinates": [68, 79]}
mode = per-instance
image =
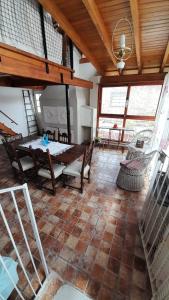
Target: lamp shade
{"type": "Point", "coordinates": [122, 41]}
{"type": "Point", "coordinates": [120, 65]}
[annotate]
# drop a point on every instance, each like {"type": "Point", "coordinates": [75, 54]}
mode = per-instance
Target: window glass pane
{"type": "Point", "coordinates": [105, 124]}
{"type": "Point", "coordinates": [113, 100]}
{"type": "Point", "coordinates": [39, 109]}
{"type": "Point", "coordinates": [143, 100]}
{"type": "Point", "coordinates": [37, 96]}
{"type": "Point", "coordinates": [139, 125]}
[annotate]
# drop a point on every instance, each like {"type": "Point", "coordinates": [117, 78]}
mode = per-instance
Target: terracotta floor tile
{"type": "Point", "coordinates": [113, 265]}
{"type": "Point", "coordinates": [102, 259]}
{"type": "Point", "coordinates": [115, 252]}
{"type": "Point", "coordinates": [97, 272]}
{"type": "Point", "coordinates": [69, 274]}
{"type": "Point", "coordinates": [110, 279]}
{"type": "Point", "coordinates": [92, 239]}
{"type": "Point", "coordinates": [107, 236]}
{"type": "Point", "coordinates": [93, 288]}
{"type": "Point", "coordinates": [81, 280]}
{"type": "Point", "coordinates": [81, 247]}
{"type": "Point", "coordinates": [71, 242]}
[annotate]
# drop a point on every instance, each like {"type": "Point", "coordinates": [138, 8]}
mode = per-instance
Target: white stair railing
{"type": "Point", "coordinates": [12, 192]}
{"type": "Point", "coordinates": [154, 229]}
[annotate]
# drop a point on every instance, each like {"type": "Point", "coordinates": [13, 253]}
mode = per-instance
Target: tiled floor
{"type": "Point", "coordinates": [91, 240]}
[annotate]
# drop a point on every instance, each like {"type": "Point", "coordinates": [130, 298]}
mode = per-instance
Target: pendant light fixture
{"type": "Point", "coordinates": [122, 52]}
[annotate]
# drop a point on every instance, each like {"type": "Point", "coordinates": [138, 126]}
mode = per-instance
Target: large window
{"type": "Point", "coordinates": [131, 107]}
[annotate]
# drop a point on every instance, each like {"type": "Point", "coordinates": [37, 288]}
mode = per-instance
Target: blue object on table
{"type": "Point", "coordinates": [44, 140]}
{"type": "Point", "coordinates": [6, 286]}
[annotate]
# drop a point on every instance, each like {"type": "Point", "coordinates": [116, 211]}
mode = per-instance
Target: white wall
{"type": "Point", "coordinates": [11, 103]}
{"type": "Point", "coordinates": [55, 96]}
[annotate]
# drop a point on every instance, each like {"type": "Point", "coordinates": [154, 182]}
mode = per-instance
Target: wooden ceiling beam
{"type": "Point", "coordinates": [83, 60]}
{"type": "Point", "coordinates": [156, 78]}
{"type": "Point", "coordinates": [136, 27]}
{"type": "Point", "coordinates": [166, 54]}
{"type": "Point", "coordinates": [52, 8]}
{"type": "Point", "coordinates": [98, 21]}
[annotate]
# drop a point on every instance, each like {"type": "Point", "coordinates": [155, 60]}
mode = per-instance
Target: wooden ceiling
{"type": "Point", "coordinates": [90, 24]}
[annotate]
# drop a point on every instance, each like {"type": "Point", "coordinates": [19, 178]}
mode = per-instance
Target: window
{"type": "Point", "coordinates": [138, 114]}
{"type": "Point", "coordinates": [113, 100]}
{"type": "Point", "coordinates": [143, 100]}
{"type": "Point", "coordinates": [37, 102]}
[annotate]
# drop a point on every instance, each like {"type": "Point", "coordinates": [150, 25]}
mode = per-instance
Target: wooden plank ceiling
{"type": "Point", "coordinates": [90, 24]}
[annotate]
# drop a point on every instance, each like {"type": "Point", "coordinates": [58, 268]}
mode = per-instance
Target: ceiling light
{"type": "Point", "coordinates": [119, 40]}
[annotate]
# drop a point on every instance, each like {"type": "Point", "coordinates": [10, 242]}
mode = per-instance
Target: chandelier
{"type": "Point", "coordinates": [122, 52]}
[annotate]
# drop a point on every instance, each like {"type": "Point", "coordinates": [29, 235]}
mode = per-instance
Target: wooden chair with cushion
{"type": "Point", "coordinates": [45, 168]}
{"type": "Point", "coordinates": [51, 135]}
{"type": "Point", "coordinates": [80, 169]}
{"type": "Point", "coordinates": [20, 162]}
{"type": "Point", "coordinates": [13, 138]}
{"type": "Point", "coordinates": [62, 137]}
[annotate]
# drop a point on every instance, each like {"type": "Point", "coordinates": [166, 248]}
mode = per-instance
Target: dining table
{"type": "Point", "coordinates": [60, 152]}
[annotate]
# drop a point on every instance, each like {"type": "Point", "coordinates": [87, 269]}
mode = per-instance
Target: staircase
{"type": "Point", "coordinates": [6, 131]}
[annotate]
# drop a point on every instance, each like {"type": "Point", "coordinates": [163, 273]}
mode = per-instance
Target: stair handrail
{"type": "Point", "coordinates": [12, 121]}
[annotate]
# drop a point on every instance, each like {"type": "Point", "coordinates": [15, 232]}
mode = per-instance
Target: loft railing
{"type": "Point", "coordinates": [12, 121]}
{"type": "Point", "coordinates": [38, 33]}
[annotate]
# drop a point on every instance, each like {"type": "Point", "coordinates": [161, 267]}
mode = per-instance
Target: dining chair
{"type": "Point", "coordinates": [20, 162]}
{"type": "Point", "coordinates": [45, 168]}
{"type": "Point", "coordinates": [62, 137]}
{"type": "Point", "coordinates": [12, 138]}
{"type": "Point", "coordinates": [51, 134]}
{"type": "Point", "coordinates": [80, 169]}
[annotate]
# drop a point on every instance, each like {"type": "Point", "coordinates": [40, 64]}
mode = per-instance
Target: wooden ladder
{"type": "Point", "coordinates": [30, 113]}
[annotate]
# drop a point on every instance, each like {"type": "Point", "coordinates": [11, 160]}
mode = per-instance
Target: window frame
{"type": "Point", "coordinates": [125, 116]}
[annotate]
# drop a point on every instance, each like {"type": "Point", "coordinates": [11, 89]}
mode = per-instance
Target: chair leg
{"type": "Point", "coordinates": [64, 180]}
{"type": "Point", "coordinates": [54, 188]}
{"type": "Point", "coordinates": [89, 176]}
{"type": "Point", "coordinates": [81, 186]}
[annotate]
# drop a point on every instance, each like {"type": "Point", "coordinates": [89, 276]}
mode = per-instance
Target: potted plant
{"type": "Point", "coordinates": [97, 140]}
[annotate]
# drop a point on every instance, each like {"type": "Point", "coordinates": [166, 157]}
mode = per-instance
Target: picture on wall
{"type": "Point", "coordinates": [57, 115]}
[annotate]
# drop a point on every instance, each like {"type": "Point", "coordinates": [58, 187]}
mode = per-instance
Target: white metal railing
{"type": "Point", "coordinates": [154, 229]}
{"type": "Point", "coordinates": [12, 192]}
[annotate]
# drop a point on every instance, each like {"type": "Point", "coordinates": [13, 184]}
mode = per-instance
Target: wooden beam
{"type": "Point", "coordinates": [56, 13]}
{"type": "Point", "coordinates": [165, 58]}
{"type": "Point", "coordinates": [136, 27]}
{"type": "Point", "coordinates": [156, 78]}
{"type": "Point", "coordinates": [98, 21]}
{"type": "Point", "coordinates": [84, 60]}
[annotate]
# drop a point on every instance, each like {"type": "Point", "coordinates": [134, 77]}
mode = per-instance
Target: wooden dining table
{"type": "Point", "coordinates": [66, 157]}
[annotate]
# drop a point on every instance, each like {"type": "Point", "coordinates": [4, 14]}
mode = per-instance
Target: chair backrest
{"type": "Point", "coordinates": [12, 153]}
{"type": "Point", "coordinates": [42, 159]}
{"type": "Point", "coordinates": [87, 158]}
{"type": "Point", "coordinates": [143, 161]}
{"type": "Point", "coordinates": [62, 137]}
{"type": "Point", "coordinates": [51, 134]}
{"type": "Point", "coordinates": [18, 137]}
{"type": "Point", "coordinates": [144, 135]}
